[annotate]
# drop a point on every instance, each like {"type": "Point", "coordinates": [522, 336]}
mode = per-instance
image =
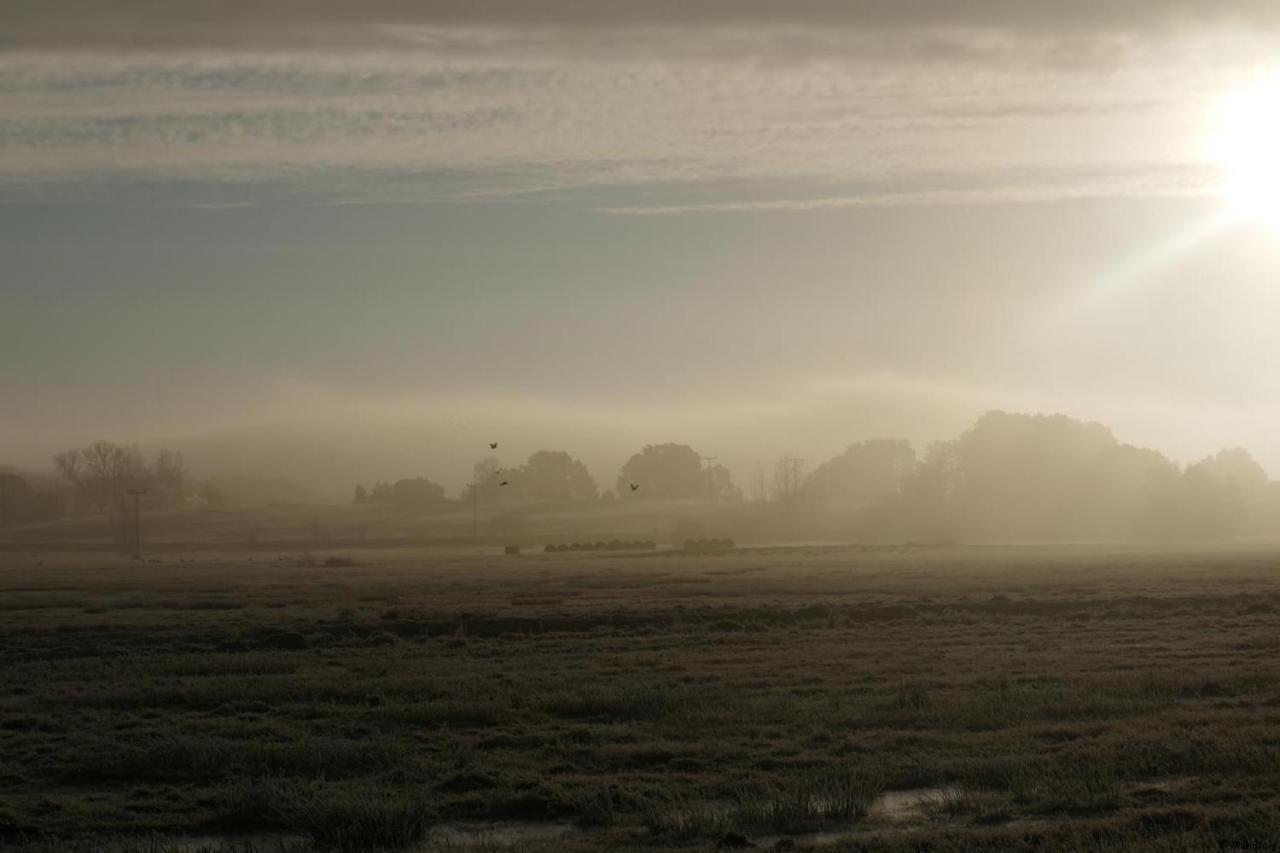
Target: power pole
{"type": "Point", "coordinates": [137, 521]}
{"type": "Point", "coordinates": [791, 478]}
{"type": "Point", "coordinates": [711, 489]}
{"type": "Point", "coordinates": [475, 493]}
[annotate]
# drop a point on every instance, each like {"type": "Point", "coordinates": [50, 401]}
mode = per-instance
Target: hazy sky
{"type": "Point", "coordinates": [358, 240]}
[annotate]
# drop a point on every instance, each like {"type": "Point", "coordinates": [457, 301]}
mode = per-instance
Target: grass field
{"type": "Point", "coordinates": [877, 699]}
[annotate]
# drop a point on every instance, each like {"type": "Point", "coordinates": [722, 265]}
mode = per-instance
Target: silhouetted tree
{"type": "Point", "coordinates": [866, 472]}
{"type": "Point", "coordinates": [720, 484]}
{"type": "Point", "coordinates": [99, 474]}
{"type": "Point", "coordinates": [21, 502]}
{"type": "Point", "coordinates": [15, 497]}
{"type": "Point", "coordinates": [169, 475]}
{"type": "Point", "coordinates": [212, 496]}
{"type": "Point", "coordinates": [1052, 477]}
{"type": "Point", "coordinates": [484, 479]}
{"type": "Point", "coordinates": [552, 475]}
{"type": "Point", "coordinates": [361, 496]}
{"type": "Point", "coordinates": [1223, 494]}
{"type": "Point", "coordinates": [418, 492]}
{"type": "Point", "coordinates": [664, 471]}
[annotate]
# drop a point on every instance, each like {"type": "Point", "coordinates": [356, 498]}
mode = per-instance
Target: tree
{"type": "Point", "coordinates": [485, 479]}
{"type": "Point", "coordinates": [1222, 493]}
{"type": "Point", "coordinates": [720, 485]}
{"type": "Point", "coordinates": [15, 498]}
{"type": "Point", "coordinates": [24, 503]}
{"type": "Point", "coordinates": [553, 475]}
{"type": "Point", "coordinates": [787, 481]}
{"type": "Point", "coordinates": [100, 473]}
{"type": "Point", "coordinates": [866, 472]}
{"type": "Point", "coordinates": [212, 496]}
{"type": "Point", "coordinates": [663, 471]}
{"type": "Point", "coordinates": [418, 492]}
{"type": "Point", "coordinates": [361, 496]}
{"type": "Point", "coordinates": [169, 473]}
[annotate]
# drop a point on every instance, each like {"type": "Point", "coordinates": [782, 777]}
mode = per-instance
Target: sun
{"type": "Point", "coordinates": [1246, 148]}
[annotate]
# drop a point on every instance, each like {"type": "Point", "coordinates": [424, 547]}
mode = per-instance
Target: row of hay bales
{"type": "Point", "coordinates": [612, 545]}
{"type": "Point", "coordinates": [707, 544]}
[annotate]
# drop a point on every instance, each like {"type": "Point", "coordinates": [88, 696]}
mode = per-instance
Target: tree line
{"type": "Point", "coordinates": [1009, 476]}
{"type": "Point", "coordinates": [101, 478]}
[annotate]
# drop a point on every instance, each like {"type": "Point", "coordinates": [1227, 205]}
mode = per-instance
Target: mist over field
{"type": "Point", "coordinates": [549, 426]}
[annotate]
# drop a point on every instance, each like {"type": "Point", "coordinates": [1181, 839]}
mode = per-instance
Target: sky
{"type": "Point", "coordinates": [341, 242]}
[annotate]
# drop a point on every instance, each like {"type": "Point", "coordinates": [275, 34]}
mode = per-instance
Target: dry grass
{"type": "Point", "coordinates": [1063, 699]}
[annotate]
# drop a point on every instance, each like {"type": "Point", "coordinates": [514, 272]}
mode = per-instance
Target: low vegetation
{"type": "Point", "coordinates": [889, 699]}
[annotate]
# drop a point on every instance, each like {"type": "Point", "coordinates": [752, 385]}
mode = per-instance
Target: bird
{"type": "Point", "coordinates": [493, 445]}
{"type": "Point", "coordinates": [503, 483]}
{"type": "Point", "coordinates": [634, 486]}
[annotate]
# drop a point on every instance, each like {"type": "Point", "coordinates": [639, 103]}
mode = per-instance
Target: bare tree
{"type": "Point", "coordinates": [170, 476]}
{"type": "Point", "coordinates": [787, 477]}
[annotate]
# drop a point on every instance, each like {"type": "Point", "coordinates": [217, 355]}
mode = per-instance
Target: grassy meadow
{"type": "Point", "coordinates": [843, 698]}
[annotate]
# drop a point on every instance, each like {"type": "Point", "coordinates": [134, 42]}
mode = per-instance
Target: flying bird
{"type": "Point", "coordinates": [493, 445]}
{"type": "Point", "coordinates": [503, 483]}
{"type": "Point", "coordinates": [634, 486]}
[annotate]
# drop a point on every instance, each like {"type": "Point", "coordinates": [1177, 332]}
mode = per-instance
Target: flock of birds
{"type": "Point", "coordinates": [493, 445]}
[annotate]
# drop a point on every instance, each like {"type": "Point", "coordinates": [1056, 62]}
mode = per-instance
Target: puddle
{"type": "Point", "coordinates": [905, 805]}
{"type": "Point", "coordinates": [891, 807]}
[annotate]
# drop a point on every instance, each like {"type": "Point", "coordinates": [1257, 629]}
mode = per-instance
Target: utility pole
{"type": "Point", "coordinates": [475, 496]}
{"type": "Point", "coordinates": [475, 493]}
{"type": "Point", "coordinates": [137, 521]}
{"type": "Point", "coordinates": [711, 489]}
{"type": "Point", "coordinates": [791, 478]}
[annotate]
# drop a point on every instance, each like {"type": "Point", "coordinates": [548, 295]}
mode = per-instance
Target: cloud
{"type": "Point", "coordinates": [929, 101]}
{"type": "Point", "coordinates": [399, 125]}
{"type": "Point", "coordinates": [1133, 186]}
{"type": "Point", "coordinates": [324, 24]}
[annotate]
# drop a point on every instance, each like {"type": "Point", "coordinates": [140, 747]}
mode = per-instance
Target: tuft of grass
{"type": "Point", "coordinates": [353, 823]}
{"type": "Point", "coordinates": [345, 819]}
{"type": "Point", "coordinates": [806, 803]}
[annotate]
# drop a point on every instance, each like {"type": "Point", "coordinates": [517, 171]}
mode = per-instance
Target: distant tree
{"type": "Point", "coordinates": [100, 473]}
{"type": "Point", "coordinates": [212, 496]}
{"type": "Point", "coordinates": [1223, 493]}
{"type": "Point", "coordinates": [787, 481]}
{"type": "Point", "coordinates": [1040, 477]}
{"type": "Point", "coordinates": [15, 499]}
{"type": "Point", "coordinates": [485, 479]}
{"type": "Point", "coordinates": [169, 475]}
{"type": "Point", "coordinates": [381, 493]}
{"type": "Point", "coordinates": [866, 472]}
{"type": "Point", "coordinates": [361, 496]}
{"type": "Point", "coordinates": [418, 492]}
{"type": "Point", "coordinates": [21, 502]}
{"type": "Point", "coordinates": [553, 475]}
{"type": "Point", "coordinates": [720, 485]}
{"type": "Point", "coordinates": [664, 471]}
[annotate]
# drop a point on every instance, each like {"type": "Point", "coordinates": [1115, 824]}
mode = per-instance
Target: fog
{"type": "Point", "coordinates": [328, 246]}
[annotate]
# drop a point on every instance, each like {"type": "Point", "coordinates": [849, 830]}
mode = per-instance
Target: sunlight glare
{"type": "Point", "coordinates": [1247, 149]}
